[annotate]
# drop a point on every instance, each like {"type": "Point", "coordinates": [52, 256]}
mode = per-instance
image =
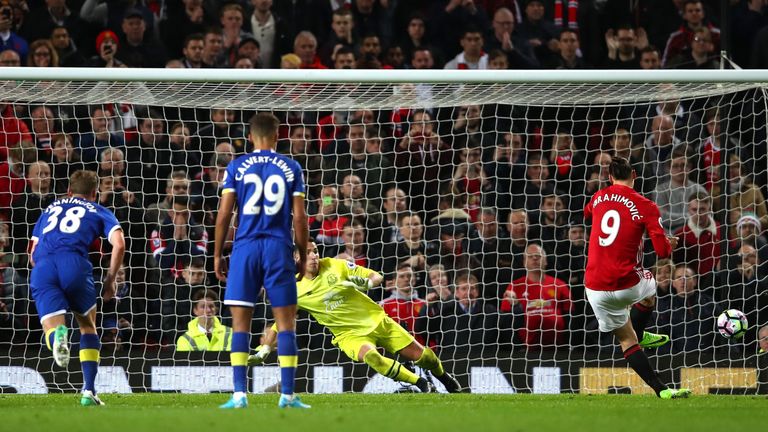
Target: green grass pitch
{"type": "Point", "coordinates": [382, 413]}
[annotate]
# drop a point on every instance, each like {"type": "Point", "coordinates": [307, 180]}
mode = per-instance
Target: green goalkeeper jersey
{"type": "Point", "coordinates": [341, 309]}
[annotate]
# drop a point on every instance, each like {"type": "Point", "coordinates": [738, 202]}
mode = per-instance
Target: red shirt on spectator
{"type": "Point", "coordinates": [403, 309]}
{"type": "Point", "coordinates": [545, 305]}
{"type": "Point", "coordinates": [12, 131]}
{"type": "Point", "coordinates": [681, 40]}
{"type": "Point", "coordinates": [699, 247]}
{"type": "Point", "coordinates": [711, 158]}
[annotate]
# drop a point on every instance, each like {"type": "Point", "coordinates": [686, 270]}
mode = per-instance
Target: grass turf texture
{"type": "Point", "coordinates": [382, 413]}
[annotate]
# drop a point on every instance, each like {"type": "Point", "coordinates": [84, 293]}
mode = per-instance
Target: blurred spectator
{"type": "Point", "coordinates": [650, 58]}
{"type": "Point", "coordinates": [484, 242]}
{"type": "Point", "coordinates": [112, 164]}
{"type": "Point", "coordinates": [663, 270]}
{"type": "Point", "coordinates": [193, 51]}
{"type": "Point", "coordinates": [148, 157]}
{"type": "Point", "coordinates": [661, 142]}
{"type": "Point", "coordinates": [248, 49]}
{"type": "Point", "coordinates": [42, 54]}
{"type": "Point", "coordinates": [395, 205]}
{"type": "Point", "coordinates": [222, 127]}
{"type": "Point", "coordinates": [28, 207]}
{"type": "Point", "coordinates": [394, 57]}
{"type": "Point", "coordinates": [116, 314]}
{"type": "Point", "coordinates": [183, 19]}
{"type": "Point", "coordinates": [540, 32]}
{"type": "Point", "coordinates": [341, 36]}
{"type": "Point", "coordinates": [354, 201]}
{"type": "Point", "coordinates": [129, 210]}
{"type": "Point", "coordinates": [505, 37]}
{"type": "Point", "coordinates": [569, 52]}
{"type": "Point", "coordinates": [13, 132]}
{"type": "Point", "coordinates": [451, 247]}
{"type": "Point", "coordinates": [415, 37]}
{"type": "Point", "coordinates": [41, 20]}
{"type": "Point", "coordinates": [469, 180]}
{"type": "Point", "coordinates": [139, 48]}
{"type": "Point", "coordinates": [177, 185]}
{"type": "Point", "coordinates": [10, 57]}
{"type": "Point", "coordinates": [748, 232]}
{"type": "Point", "coordinates": [747, 18]}
{"type": "Point", "coordinates": [440, 285]}
{"type": "Point", "coordinates": [65, 161]}
{"type": "Point", "coordinates": [685, 314]}
{"type": "Point", "coordinates": [423, 161]}
{"type": "Point", "coordinates": [624, 45]}
{"type": "Point", "coordinates": [326, 225]}
{"type": "Point", "coordinates": [743, 195]}
{"type": "Point", "coordinates": [545, 301]}
{"type": "Point", "coordinates": [513, 246]}
{"type": "Point", "coordinates": [177, 303]}
{"type": "Point", "coordinates": [205, 193]}
{"type": "Point", "coordinates": [569, 164]}
{"type": "Point", "coordinates": [537, 183]}
{"type": "Point", "coordinates": [497, 60]}
{"type": "Point", "coordinates": [213, 48]}
{"type": "Point", "coordinates": [404, 304]}
{"type": "Point", "coordinates": [672, 195]}
{"type": "Point", "coordinates": [466, 130]}
{"type": "Point", "coordinates": [178, 239]}
{"type": "Point", "coordinates": [711, 148]}
{"type": "Point", "coordinates": [106, 50]}
{"type": "Point", "coordinates": [231, 17]}
{"type": "Point", "coordinates": [356, 250]}
{"type": "Point", "coordinates": [271, 31]}
{"type": "Point", "coordinates": [12, 41]}
{"type": "Point", "coordinates": [451, 19]}
{"type": "Point", "coordinates": [180, 140]}
{"type": "Point", "coordinates": [763, 339]}
{"type": "Point", "coordinates": [411, 249]}
{"type": "Point", "coordinates": [701, 240]}
{"type": "Point", "coordinates": [300, 148]}
{"type": "Point", "coordinates": [43, 127]}
{"type": "Point", "coordinates": [504, 164]}
{"type": "Point", "coordinates": [570, 254]}
{"type": "Point", "coordinates": [205, 332]}
{"type": "Point", "coordinates": [344, 58]}
{"type": "Point", "coordinates": [305, 46]}
{"type": "Point", "coordinates": [472, 55]}
{"type": "Point", "coordinates": [465, 322]}
{"type": "Point", "coordinates": [638, 156]}
{"type": "Point", "coordinates": [701, 54]}
{"type": "Point", "coordinates": [93, 142]}
{"type": "Point", "coordinates": [371, 17]}
{"type": "Point", "coordinates": [681, 40]}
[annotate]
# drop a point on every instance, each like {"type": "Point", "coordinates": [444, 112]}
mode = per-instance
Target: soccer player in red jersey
{"type": "Point", "coordinates": [615, 278]}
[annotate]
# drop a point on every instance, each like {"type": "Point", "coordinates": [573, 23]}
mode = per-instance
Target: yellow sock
{"type": "Point", "coordinates": [430, 362]}
{"type": "Point", "coordinates": [389, 368]}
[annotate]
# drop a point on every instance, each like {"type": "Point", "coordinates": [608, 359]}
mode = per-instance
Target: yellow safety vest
{"type": "Point", "coordinates": [196, 340]}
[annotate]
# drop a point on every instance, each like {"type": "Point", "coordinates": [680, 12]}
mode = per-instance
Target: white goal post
{"type": "Point", "coordinates": [452, 172]}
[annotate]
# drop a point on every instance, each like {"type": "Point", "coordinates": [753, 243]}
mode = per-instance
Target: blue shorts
{"type": "Point", "coordinates": [61, 282]}
{"type": "Point", "coordinates": [265, 262]}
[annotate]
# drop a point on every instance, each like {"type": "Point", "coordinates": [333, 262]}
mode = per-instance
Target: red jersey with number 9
{"type": "Point", "coordinates": [620, 216]}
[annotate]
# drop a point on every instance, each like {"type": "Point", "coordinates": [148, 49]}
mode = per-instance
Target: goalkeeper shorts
{"type": "Point", "coordinates": [388, 334]}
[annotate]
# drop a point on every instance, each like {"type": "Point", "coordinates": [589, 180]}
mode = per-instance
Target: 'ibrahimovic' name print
{"type": "Point", "coordinates": [621, 199]}
{"type": "Point", "coordinates": [258, 159]}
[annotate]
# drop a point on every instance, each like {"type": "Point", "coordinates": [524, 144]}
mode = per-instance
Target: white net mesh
{"type": "Point", "coordinates": [451, 178]}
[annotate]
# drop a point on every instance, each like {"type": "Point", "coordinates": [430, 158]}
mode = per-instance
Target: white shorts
{"type": "Point", "coordinates": [612, 307]}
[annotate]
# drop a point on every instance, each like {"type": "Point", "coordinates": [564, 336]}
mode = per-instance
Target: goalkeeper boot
{"type": "Point", "coordinates": [449, 382]}
{"type": "Point", "coordinates": [240, 401]}
{"type": "Point", "coordinates": [425, 386]}
{"type": "Point", "coordinates": [675, 394]}
{"type": "Point", "coordinates": [89, 398]}
{"type": "Point", "coordinates": [61, 346]}
{"type": "Point", "coordinates": [293, 401]}
{"type": "Point", "coordinates": [653, 340]}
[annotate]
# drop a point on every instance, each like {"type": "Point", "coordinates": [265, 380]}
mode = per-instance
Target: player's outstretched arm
{"type": "Point", "coordinates": [362, 283]}
{"type": "Point", "coordinates": [301, 232]}
{"type": "Point", "coordinates": [117, 240]}
{"type": "Point", "coordinates": [268, 343]}
{"type": "Point", "coordinates": [661, 243]}
{"type": "Point", "coordinates": [223, 219]}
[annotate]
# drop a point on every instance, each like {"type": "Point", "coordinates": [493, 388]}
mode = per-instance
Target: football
{"type": "Point", "coordinates": [732, 324]}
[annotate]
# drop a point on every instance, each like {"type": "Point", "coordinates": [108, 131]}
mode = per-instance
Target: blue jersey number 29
{"type": "Point", "coordinates": [69, 223]}
{"type": "Point", "coordinates": [274, 194]}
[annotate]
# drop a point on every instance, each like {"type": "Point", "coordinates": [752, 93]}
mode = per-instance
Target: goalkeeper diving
{"type": "Point", "coordinates": [333, 292]}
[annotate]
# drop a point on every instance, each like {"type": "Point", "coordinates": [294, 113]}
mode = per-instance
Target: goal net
{"type": "Point", "coordinates": [465, 190]}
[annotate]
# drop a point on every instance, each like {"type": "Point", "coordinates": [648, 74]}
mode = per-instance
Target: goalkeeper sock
{"type": "Point", "coordinates": [639, 315]}
{"type": "Point", "coordinates": [89, 359]}
{"type": "Point", "coordinates": [638, 361]}
{"type": "Point", "coordinates": [238, 357]}
{"type": "Point", "coordinates": [287, 356]}
{"type": "Point", "coordinates": [430, 362]}
{"type": "Point", "coordinates": [389, 368]}
{"type": "Point", "coordinates": [50, 336]}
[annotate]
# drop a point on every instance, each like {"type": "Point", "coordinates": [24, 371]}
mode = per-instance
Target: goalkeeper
{"type": "Point", "coordinates": [332, 291]}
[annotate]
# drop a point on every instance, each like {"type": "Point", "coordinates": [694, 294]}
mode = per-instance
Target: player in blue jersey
{"type": "Point", "coordinates": [268, 189]}
{"type": "Point", "coordinates": [62, 276]}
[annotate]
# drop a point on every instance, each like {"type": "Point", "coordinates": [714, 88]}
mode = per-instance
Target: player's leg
{"type": "Point", "coordinates": [363, 349]}
{"type": "Point", "coordinates": [636, 357]}
{"type": "Point", "coordinates": [57, 338]}
{"type": "Point", "coordinates": [641, 313]}
{"type": "Point", "coordinates": [89, 356]}
{"type": "Point", "coordinates": [425, 358]}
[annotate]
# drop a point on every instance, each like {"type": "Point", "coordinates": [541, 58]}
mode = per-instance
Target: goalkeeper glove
{"type": "Point", "coordinates": [262, 351]}
{"type": "Point", "coordinates": [358, 282]}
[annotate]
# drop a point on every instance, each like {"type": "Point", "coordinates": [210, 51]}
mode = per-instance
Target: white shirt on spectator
{"type": "Point", "coordinates": [265, 34]}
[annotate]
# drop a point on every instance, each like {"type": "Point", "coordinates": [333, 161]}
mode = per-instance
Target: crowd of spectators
{"type": "Point", "coordinates": [472, 213]}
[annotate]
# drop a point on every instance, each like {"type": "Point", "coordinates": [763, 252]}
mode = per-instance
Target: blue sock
{"type": "Point", "coordinates": [287, 356]}
{"type": "Point", "coordinates": [238, 357]}
{"type": "Point", "coordinates": [89, 359]}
